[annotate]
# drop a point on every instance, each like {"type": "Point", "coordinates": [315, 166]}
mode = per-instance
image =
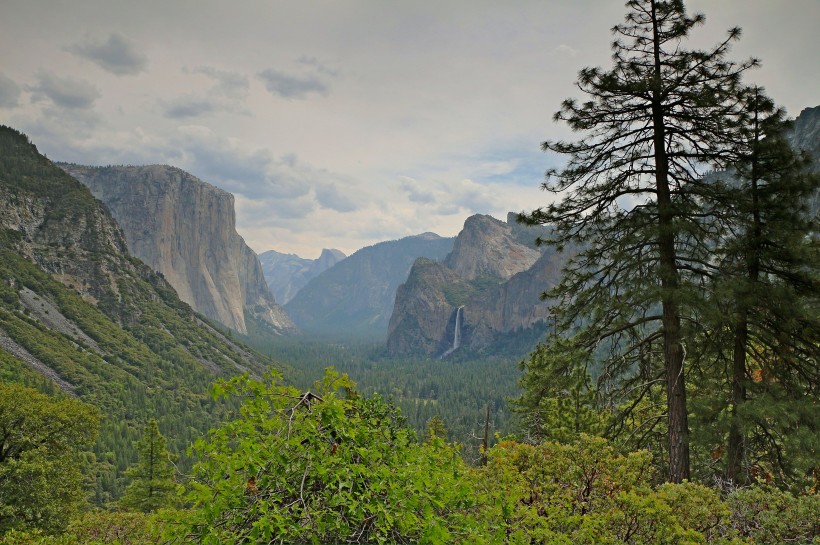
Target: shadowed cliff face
{"type": "Point", "coordinates": [494, 272]}
{"type": "Point", "coordinates": [185, 229]}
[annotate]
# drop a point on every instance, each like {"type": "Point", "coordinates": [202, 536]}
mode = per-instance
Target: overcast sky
{"type": "Point", "coordinates": [343, 123]}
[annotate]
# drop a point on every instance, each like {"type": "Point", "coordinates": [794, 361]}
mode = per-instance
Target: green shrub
{"type": "Point", "coordinates": [768, 515]}
{"type": "Point", "coordinates": [318, 468]}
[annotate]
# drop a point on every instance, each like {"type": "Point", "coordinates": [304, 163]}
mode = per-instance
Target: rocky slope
{"type": "Point", "coordinates": [286, 274]}
{"type": "Point", "coordinates": [494, 275]}
{"type": "Point", "coordinates": [354, 298]}
{"type": "Point", "coordinates": [78, 314]}
{"type": "Point", "coordinates": [185, 229]}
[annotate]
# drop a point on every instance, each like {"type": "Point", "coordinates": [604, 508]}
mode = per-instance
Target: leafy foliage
{"type": "Point", "coordinates": [41, 439]}
{"type": "Point", "coordinates": [303, 467]}
{"type": "Point", "coordinates": [457, 390]}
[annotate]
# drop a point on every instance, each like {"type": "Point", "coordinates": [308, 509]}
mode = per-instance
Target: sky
{"type": "Point", "coordinates": [339, 124]}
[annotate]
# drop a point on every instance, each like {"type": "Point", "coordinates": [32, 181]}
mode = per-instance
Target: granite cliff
{"type": "Point", "coordinates": [805, 135]}
{"type": "Point", "coordinates": [286, 274]}
{"type": "Point", "coordinates": [185, 229]}
{"type": "Point", "coordinates": [494, 274]}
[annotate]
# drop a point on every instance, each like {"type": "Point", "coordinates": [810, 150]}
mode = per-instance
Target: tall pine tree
{"type": "Point", "coordinates": [634, 200]}
{"type": "Point", "coordinates": [152, 478]}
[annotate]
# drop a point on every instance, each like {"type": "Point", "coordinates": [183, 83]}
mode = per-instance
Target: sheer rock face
{"type": "Point", "coordinates": [486, 247]}
{"type": "Point", "coordinates": [185, 229]}
{"type": "Point", "coordinates": [286, 274]}
{"type": "Point", "coordinates": [494, 272]}
{"type": "Point", "coordinates": [422, 312]}
{"type": "Point", "coordinates": [805, 135]}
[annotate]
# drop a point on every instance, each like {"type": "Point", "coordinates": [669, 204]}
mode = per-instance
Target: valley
{"type": "Point", "coordinates": [287, 278]}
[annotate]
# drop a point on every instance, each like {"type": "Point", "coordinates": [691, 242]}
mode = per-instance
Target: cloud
{"type": "Point", "coordinates": [9, 92]}
{"type": "Point", "coordinates": [414, 193]}
{"type": "Point", "coordinates": [116, 55]}
{"type": "Point", "coordinates": [318, 65]}
{"type": "Point", "coordinates": [64, 92]}
{"type": "Point", "coordinates": [288, 86]}
{"type": "Point", "coordinates": [228, 84]}
{"type": "Point", "coordinates": [188, 106]}
{"type": "Point", "coordinates": [228, 94]}
{"type": "Point", "coordinates": [284, 185]}
{"type": "Point", "coordinates": [330, 196]}
{"type": "Point", "coordinates": [564, 50]}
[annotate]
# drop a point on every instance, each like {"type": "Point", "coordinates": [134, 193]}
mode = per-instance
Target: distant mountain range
{"type": "Point", "coordinates": [354, 298]}
{"type": "Point", "coordinates": [286, 274]}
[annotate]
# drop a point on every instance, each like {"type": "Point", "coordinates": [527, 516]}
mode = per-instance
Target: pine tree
{"type": "Point", "coordinates": [557, 401]}
{"type": "Point", "coordinates": [436, 429]}
{"type": "Point", "coordinates": [635, 201]}
{"type": "Point", "coordinates": [152, 478]}
{"type": "Point", "coordinates": [769, 282]}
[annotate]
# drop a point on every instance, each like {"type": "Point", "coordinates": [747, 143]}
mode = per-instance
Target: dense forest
{"type": "Point", "coordinates": [674, 402]}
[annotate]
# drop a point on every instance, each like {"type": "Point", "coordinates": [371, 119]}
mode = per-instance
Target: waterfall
{"type": "Point", "coordinates": [456, 332]}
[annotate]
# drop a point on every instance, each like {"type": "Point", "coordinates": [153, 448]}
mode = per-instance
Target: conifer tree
{"type": "Point", "coordinates": [152, 478]}
{"type": "Point", "coordinates": [557, 401]}
{"type": "Point", "coordinates": [634, 201]}
{"type": "Point", "coordinates": [769, 283]}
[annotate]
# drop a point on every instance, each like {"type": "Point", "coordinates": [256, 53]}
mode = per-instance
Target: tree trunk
{"type": "Point", "coordinates": [735, 446]}
{"type": "Point", "coordinates": [677, 417]}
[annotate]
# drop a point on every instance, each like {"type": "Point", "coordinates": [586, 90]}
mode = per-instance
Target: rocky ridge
{"type": "Point", "coordinates": [354, 298]}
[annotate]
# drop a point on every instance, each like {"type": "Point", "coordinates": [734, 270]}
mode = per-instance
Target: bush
{"type": "Point", "coordinates": [318, 468]}
{"type": "Point", "coordinates": [766, 514]}
{"type": "Point", "coordinates": [586, 492]}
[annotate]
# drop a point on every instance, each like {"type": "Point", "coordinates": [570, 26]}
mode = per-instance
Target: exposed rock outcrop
{"type": "Point", "coordinates": [486, 248]}
{"type": "Point", "coordinates": [494, 273]}
{"type": "Point", "coordinates": [186, 229]}
{"type": "Point", "coordinates": [805, 135]}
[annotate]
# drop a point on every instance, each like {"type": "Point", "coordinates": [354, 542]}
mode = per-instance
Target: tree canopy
{"type": "Point", "coordinates": [41, 439]}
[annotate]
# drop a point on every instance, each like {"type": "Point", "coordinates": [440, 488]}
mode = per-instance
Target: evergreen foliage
{"type": "Point", "coordinates": [633, 199]}
{"type": "Point", "coordinates": [768, 290]}
{"type": "Point", "coordinates": [152, 478]}
{"type": "Point", "coordinates": [558, 402]}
